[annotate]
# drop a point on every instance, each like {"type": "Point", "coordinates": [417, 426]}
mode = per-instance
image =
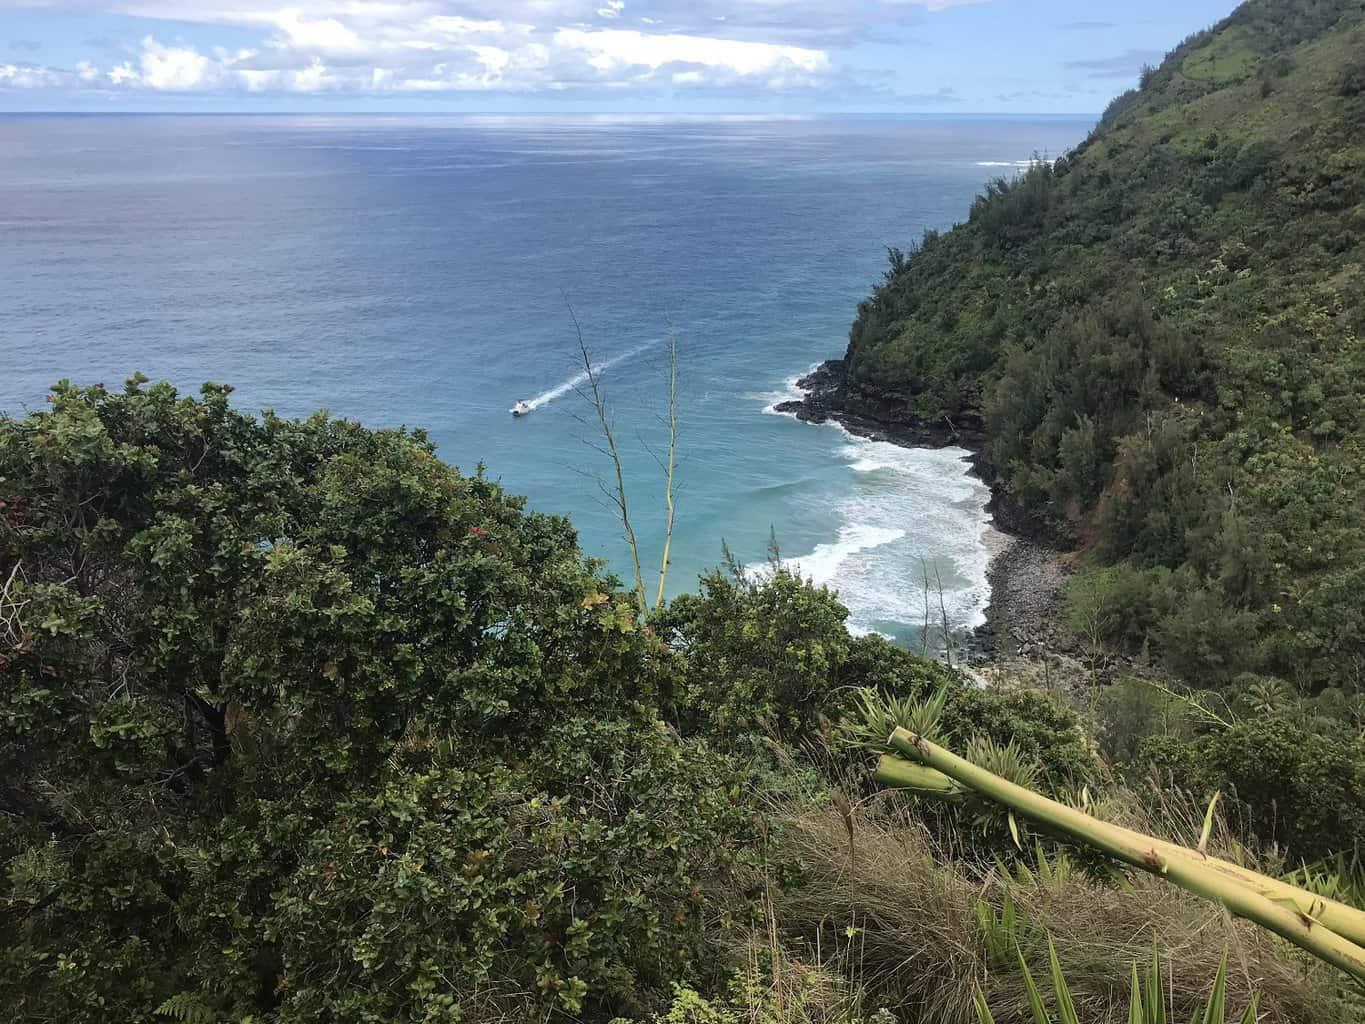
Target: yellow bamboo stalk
{"type": "Point", "coordinates": [1347, 921]}
{"type": "Point", "coordinates": [903, 774]}
{"type": "Point", "coordinates": [1146, 853]}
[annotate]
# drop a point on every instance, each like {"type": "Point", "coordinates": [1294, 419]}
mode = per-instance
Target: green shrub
{"type": "Point", "coordinates": [1302, 790]}
{"type": "Point", "coordinates": [1133, 710]}
{"type": "Point", "coordinates": [297, 722]}
{"type": "Point", "coordinates": [1351, 79]}
{"type": "Point", "coordinates": [1204, 638]}
{"type": "Point", "coordinates": [755, 651]}
{"type": "Point", "coordinates": [579, 875]}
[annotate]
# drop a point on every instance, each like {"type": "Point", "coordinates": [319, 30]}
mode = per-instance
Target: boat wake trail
{"type": "Point", "coordinates": [581, 378]}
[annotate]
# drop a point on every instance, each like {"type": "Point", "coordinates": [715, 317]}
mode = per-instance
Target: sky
{"type": "Point", "coordinates": [695, 56]}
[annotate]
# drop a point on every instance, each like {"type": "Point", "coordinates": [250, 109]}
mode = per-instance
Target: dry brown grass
{"type": "Point", "coordinates": [881, 908]}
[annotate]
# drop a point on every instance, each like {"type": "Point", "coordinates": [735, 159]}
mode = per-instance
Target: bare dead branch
{"type": "Point", "coordinates": [672, 463]}
{"type": "Point", "coordinates": [12, 631]}
{"type": "Point", "coordinates": [594, 394]}
{"type": "Point", "coordinates": [943, 613]}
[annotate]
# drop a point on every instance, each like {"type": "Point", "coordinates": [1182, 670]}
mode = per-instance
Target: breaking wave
{"type": "Point", "coordinates": [901, 516]}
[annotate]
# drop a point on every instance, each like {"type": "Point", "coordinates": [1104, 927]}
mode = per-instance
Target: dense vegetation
{"type": "Point", "coordinates": [298, 723]}
{"type": "Point", "coordinates": [1163, 333]}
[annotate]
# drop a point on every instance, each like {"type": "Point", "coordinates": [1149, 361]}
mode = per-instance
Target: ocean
{"type": "Point", "coordinates": [421, 271]}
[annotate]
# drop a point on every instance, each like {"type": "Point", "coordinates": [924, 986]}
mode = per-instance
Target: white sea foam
{"type": "Point", "coordinates": [1004, 163]}
{"type": "Point", "coordinates": [581, 378]}
{"type": "Point", "coordinates": [856, 630]}
{"type": "Point", "coordinates": [823, 564]}
{"type": "Point", "coordinates": [867, 466]}
{"type": "Point", "coordinates": [788, 392]}
{"type": "Point", "coordinates": [864, 457]}
{"type": "Point", "coordinates": [904, 514]}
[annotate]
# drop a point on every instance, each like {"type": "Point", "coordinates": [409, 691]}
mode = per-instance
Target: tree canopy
{"type": "Point", "coordinates": [296, 719]}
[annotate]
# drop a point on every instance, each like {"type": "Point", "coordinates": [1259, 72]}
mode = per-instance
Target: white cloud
{"type": "Point", "coordinates": [122, 75]}
{"type": "Point", "coordinates": [454, 25]}
{"type": "Point", "coordinates": [175, 68]}
{"type": "Point", "coordinates": [313, 78]}
{"type": "Point", "coordinates": [256, 80]}
{"type": "Point", "coordinates": [317, 35]}
{"type": "Point", "coordinates": [611, 49]}
{"type": "Point", "coordinates": [30, 76]}
{"type": "Point", "coordinates": [377, 46]}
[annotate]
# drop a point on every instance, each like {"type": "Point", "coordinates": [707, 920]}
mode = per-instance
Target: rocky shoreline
{"type": "Point", "coordinates": [1028, 570]}
{"type": "Point", "coordinates": [878, 417]}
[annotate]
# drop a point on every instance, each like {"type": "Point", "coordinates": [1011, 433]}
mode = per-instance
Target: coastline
{"type": "Point", "coordinates": [1028, 556]}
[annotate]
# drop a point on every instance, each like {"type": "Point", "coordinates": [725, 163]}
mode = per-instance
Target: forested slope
{"type": "Point", "coordinates": [1162, 331]}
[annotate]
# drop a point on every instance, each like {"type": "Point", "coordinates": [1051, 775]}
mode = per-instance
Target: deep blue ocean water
{"type": "Point", "coordinates": [416, 270]}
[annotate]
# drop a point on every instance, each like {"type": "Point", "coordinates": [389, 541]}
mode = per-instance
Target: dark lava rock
{"type": "Point", "coordinates": [878, 415]}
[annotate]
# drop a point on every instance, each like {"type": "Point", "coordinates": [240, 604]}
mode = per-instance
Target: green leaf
{"type": "Point", "coordinates": [983, 1012]}
{"type": "Point", "coordinates": [1156, 996]}
{"type": "Point", "coordinates": [1208, 824]}
{"type": "Point", "coordinates": [1135, 1009]}
{"type": "Point", "coordinates": [188, 1007]}
{"type": "Point", "coordinates": [1066, 1009]}
{"type": "Point", "coordinates": [1217, 1007]}
{"type": "Point", "coordinates": [1035, 1000]}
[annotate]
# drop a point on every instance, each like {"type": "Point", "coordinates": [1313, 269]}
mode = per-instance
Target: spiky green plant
{"type": "Point", "coordinates": [876, 715]}
{"type": "Point", "coordinates": [1146, 997]}
{"type": "Point", "coordinates": [1004, 931]}
{"type": "Point", "coordinates": [1007, 761]}
{"type": "Point", "coordinates": [1056, 869]}
{"type": "Point", "coordinates": [1341, 877]}
{"type": "Point", "coordinates": [1266, 696]}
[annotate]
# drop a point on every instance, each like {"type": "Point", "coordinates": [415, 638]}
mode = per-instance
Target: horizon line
{"type": "Point", "coordinates": [552, 113]}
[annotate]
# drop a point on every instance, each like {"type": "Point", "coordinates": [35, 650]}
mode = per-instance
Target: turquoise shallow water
{"type": "Point", "coordinates": [416, 270]}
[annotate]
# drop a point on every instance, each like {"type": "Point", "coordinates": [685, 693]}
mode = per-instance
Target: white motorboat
{"type": "Point", "coordinates": [522, 408]}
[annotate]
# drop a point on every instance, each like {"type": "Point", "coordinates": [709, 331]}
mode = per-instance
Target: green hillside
{"type": "Point", "coordinates": [1162, 331]}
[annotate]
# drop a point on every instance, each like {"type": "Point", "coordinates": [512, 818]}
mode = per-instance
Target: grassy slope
{"type": "Point", "coordinates": [1163, 331]}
